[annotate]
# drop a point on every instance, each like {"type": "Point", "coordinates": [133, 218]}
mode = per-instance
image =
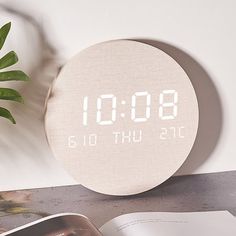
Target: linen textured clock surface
{"type": "Point", "coordinates": [122, 117]}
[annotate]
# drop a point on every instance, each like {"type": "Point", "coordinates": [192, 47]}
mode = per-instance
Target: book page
{"type": "Point", "coordinates": [216, 223]}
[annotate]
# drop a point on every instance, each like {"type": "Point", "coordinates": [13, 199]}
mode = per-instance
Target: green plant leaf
{"type": "Point", "coordinates": [13, 75]}
{"type": "Point", "coordinates": [8, 60]}
{"type": "Point", "coordinates": [3, 33]}
{"type": "Point", "coordinates": [10, 94]}
{"type": "Point", "coordinates": [6, 114]}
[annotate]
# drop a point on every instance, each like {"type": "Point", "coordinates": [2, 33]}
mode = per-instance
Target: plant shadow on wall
{"type": "Point", "coordinates": [27, 138]}
{"type": "Point", "coordinates": [210, 108]}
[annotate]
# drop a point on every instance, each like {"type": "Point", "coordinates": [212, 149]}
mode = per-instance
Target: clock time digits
{"type": "Point", "coordinates": [172, 104]}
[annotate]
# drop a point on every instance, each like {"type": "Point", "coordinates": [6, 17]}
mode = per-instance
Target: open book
{"type": "Point", "coordinates": [215, 223]}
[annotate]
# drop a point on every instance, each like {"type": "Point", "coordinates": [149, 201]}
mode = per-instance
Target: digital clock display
{"type": "Point", "coordinates": [112, 99]}
{"type": "Point", "coordinates": [122, 117]}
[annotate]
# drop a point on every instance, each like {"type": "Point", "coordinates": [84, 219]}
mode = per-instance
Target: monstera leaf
{"type": "Point", "coordinates": [6, 61]}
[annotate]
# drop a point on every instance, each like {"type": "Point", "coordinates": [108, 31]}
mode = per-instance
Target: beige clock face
{"type": "Point", "coordinates": [122, 117]}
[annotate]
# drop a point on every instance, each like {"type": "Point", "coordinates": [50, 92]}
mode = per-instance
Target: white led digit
{"type": "Point", "coordinates": [133, 109]}
{"type": "Point", "coordinates": [92, 140]}
{"type": "Point", "coordinates": [72, 142]}
{"type": "Point", "coordinates": [99, 109]}
{"type": "Point", "coordinates": [85, 111]}
{"type": "Point", "coordinates": [164, 104]}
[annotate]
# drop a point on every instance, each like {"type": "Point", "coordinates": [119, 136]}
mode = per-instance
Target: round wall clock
{"type": "Point", "coordinates": [122, 117]}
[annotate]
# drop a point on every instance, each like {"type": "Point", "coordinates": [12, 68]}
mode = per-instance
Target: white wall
{"type": "Point", "coordinates": [200, 35]}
